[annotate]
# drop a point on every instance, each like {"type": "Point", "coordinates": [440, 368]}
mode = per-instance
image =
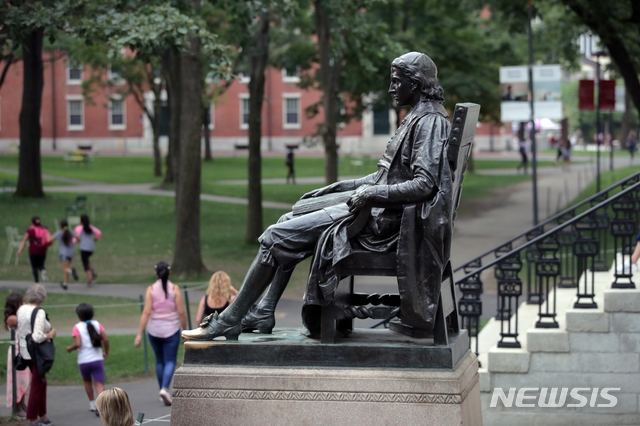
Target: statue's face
{"type": "Point", "coordinates": [401, 88]}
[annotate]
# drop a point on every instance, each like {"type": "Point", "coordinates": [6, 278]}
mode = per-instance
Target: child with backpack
{"type": "Point", "coordinates": [65, 251]}
{"type": "Point", "coordinates": [93, 348]}
{"type": "Point", "coordinates": [39, 241]}
{"type": "Point", "coordinates": [89, 234]}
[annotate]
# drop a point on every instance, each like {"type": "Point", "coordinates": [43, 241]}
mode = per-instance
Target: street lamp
{"type": "Point", "coordinates": [534, 163]}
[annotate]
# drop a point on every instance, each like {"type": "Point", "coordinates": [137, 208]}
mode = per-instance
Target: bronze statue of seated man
{"type": "Point", "coordinates": [413, 171]}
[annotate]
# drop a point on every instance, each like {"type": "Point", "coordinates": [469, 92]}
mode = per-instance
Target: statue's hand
{"type": "Point", "coordinates": [363, 195]}
{"type": "Point", "coordinates": [334, 187]}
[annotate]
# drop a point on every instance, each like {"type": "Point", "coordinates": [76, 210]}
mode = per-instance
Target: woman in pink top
{"type": "Point", "coordinates": [163, 314]}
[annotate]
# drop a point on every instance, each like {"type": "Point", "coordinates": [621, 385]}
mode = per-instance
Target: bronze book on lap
{"type": "Point", "coordinates": [312, 204]}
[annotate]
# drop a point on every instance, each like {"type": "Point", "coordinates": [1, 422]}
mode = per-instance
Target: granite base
{"type": "Point", "coordinates": [209, 393]}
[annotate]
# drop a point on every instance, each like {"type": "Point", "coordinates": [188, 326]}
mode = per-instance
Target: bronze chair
{"type": "Point", "coordinates": [349, 304]}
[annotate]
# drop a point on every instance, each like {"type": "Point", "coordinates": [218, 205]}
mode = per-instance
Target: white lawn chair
{"type": "Point", "coordinates": [14, 240]}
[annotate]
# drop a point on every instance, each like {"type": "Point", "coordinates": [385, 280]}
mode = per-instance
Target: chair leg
{"type": "Point", "coordinates": [7, 257]}
{"type": "Point", "coordinates": [327, 326]}
{"type": "Point", "coordinates": [440, 335]}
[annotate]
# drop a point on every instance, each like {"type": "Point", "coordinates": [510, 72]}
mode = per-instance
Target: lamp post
{"type": "Point", "coordinates": [597, 84]}
{"type": "Point", "coordinates": [534, 164]}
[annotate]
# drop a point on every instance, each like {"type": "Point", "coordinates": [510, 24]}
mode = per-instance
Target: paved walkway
{"type": "Point", "coordinates": [509, 214]}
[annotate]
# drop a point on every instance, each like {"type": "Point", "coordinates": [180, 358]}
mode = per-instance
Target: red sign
{"type": "Point", "coordinates": [585, 95]}
{"type": "Point", "coordinates": [607, 95]}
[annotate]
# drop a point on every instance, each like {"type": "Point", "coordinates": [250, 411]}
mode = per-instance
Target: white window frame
{"type": "Point", "coordinates": [243, 97]}
{"type": "Point", "coordinates": [244, 79]}
{"type": "Point", "coordinates": [71, 66]}
{"type": "Point", "coordinates": [114, 77]}
{"type": "Point", "coordinates": [113, 126]}
{"type": "Point", "coordinates": [212, 116]}
{"type": "Point", "coordinates": [75, 127]}
{"type": "Point", "coordinates": [285, 97]}
{"type": "Point", "coordinates": [291, 78]}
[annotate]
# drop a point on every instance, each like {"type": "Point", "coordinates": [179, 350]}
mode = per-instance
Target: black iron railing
{"type": "Point", "coordinates": [553, 261]}
{"type": "Point", "coordinates": [547, 268]}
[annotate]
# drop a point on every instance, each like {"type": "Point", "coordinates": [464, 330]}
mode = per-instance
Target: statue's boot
{"type": "Point", "coordinates": [229, 323]}
{"type": "Point", "coordinates": [262, 316]}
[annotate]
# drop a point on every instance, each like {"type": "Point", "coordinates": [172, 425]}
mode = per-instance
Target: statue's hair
{"type": "Point", "coordinates": [423, 73]}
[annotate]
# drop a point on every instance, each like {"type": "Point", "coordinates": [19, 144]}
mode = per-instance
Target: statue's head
{"type": "Point", "coordinates": [422, 73]}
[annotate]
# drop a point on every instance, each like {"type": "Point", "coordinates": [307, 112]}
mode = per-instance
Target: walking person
{"type": "Point", "coordinates": [632, 144]}
{"type": "Point", "coordinates": [163, 315]}
{"type": "Point", "coordinates": [39, 241]}
{"type": "Point", "coordinates": [523, 149]}
{"type": "Point", "coordinates": [115, 408]}
{"type": "Point", "coordinates": [92, 344]}
{"type": "Point", "coordinates": [89, 234]}
{"type": "Point", "coordinates": [42, 330]}
{"type": "Point", "coordinates": [65, 251]}
{"type": "Point", "coordinates": [23, 377]}
{"type": "Point", "coordinates": [219, 294]}
{"type": "Point", "coordinates": [289, 162]}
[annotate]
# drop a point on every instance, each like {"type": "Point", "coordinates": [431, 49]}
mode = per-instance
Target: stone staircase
{"type": "Point", "coordinates": [592, 348]}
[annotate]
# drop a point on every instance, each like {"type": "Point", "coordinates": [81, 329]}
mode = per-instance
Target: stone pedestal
{"type": "Point", "coordinates": [287, 379]}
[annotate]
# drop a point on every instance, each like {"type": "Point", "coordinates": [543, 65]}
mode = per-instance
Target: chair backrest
{"type": "Point", "coordinates": [12, 234]}
{"type": "Point", "coordinates": [81, 202]}
{"type": "Point", "coordinates": [463, 129]}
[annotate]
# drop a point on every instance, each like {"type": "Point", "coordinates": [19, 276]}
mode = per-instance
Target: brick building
{"type": "Point", "coordinates": [109, 123]}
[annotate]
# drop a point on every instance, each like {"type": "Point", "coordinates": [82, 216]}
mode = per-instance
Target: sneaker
{"type": "Point", "coordinates": [91, 283]}
{"type": "Point", "coordinates": [74, 273]}
{"type": "Point", "coordinates": [44, 276]}
{"type": "Point", "coordinates": [166, 398]}
{"type": "Point", "coordinates": [47, 422]}
{"type": "Point", "coordinates": [64, 286]}
{"type": "Point", "coordinates": [21, 413]}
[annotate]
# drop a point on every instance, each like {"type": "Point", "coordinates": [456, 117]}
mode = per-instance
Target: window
{"type": "Point", "coordinates": [114, 76]}
{"type": "Point", "coordinates": [74, 72]}
{"type": "Point", "coordinates": [75, 113]}
{"type": "Point", "coordinates": [116, 114]}
{"type": "Point", "coordinates": [244, 111]}
{"type": "Point", "coordinates": [291, 113]}
{"type": "Point", "coordinates": [381, 124]}
{"type": "Point", "coordinates": [291, 75]}
{"type": "Point", "coordinates": [211, 116]}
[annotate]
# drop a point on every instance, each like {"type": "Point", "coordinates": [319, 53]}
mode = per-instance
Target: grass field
{"type": "Point", "coordinates": [125, 362]}
{"type": "Point", "coordinates": [140, 230]}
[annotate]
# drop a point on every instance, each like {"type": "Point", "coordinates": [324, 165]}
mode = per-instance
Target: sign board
{"type": "Point", "coordinates": [585, 95]}
{"type": "Point", "coordinates": [514, 83]}
{"type": "Point", "coordinates": [607, 95]}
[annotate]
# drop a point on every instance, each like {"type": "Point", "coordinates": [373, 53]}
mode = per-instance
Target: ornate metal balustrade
{"type": "Point", "coordinates": [547, 267]}
{"type": "Point", "coordinates": [583, 233]}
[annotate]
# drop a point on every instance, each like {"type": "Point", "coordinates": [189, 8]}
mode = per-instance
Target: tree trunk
{"type": "Point", "coordinates": [30, 172]}
{"type": "Point", "coordinates": [155, 125]}
{"type": "Point", "coordinates": [625, 122]}
{"type": "Point", "coordinates": [170, 65]}
{"type": "Point", "coordinates": [329, 73]}
{"type": "Point", "coordinates": [207, 133]}
{"type": "Point", "coordinates": [187, 257]}
{"type": "Point", "coordinates": [258, 56]}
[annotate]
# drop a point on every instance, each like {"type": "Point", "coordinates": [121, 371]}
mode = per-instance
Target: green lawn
{"type": "Point", "coordinates": [125, 362]}
{"type": "Point", "coordinates": [140, 230]}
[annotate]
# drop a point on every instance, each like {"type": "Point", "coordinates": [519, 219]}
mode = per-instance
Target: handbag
{"type": "Point", "coordinates": [19, 362]}
{"type": "Point", "coordinates": [42, 354]}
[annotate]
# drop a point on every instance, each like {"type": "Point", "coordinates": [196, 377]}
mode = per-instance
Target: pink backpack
{"type": "Point", "coordinates": [39, 240]}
